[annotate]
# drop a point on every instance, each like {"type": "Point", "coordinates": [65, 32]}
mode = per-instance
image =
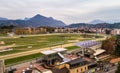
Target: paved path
{"type": "Point", "coordinates": [8, 46]}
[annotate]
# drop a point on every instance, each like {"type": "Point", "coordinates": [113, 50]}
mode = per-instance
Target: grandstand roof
{"type": "Point", "coordinates": [96, 47]}
{"type": "Point", "coordinates": [98, 51]}
{"type": "Point", "coordinates": [59, 49]}
{"type": "Point", "coordinates": [89, 43]}
{"type": "Point", "coordinates": [48, 52]}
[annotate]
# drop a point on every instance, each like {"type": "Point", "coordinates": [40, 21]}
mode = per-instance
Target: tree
{"type": "Point", "coordinates": [50, 29]}
{"type": "Point", "coordinates": [118, 68]}
{"type": "Point", "coordinates": [117, 47]}
{"type": "Point", "coordinates": [107, 31]}
{"type": "Point", "coordinates": [109, 45]}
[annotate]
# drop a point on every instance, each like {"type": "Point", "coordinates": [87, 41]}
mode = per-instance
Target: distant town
{"type": "Point", "coordinates": [43, 30]}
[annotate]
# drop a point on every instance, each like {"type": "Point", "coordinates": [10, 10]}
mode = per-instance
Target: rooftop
{"type": "Point", "coordinates": [42, 69]}
{"type": "Point", "coordinates": [89, 43]}
{"type": "Point", "coordinates": [52, 51]}
{"type": "Point", "coordinates": [60, 49]}
{"type": "Point", "coordinates": [47, 52]}
{"type": "Point", "coordinates": [77, 61]}
{"type": "Point", "coordinates": [71, 56]}
{"type": "Point", "coordinates": [63, 70]}
{"type": "Point", "coordinates": [115, 60]}
{"type": "Point", "coordinates": [20, 70]}
{"type": "Point", "coordinates": [98, 51]}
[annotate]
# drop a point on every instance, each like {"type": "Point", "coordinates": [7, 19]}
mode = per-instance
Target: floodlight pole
{"type": "Point", "coordinates": [2, 66]}
{"type": "Point", "coordinates": [83, 51]}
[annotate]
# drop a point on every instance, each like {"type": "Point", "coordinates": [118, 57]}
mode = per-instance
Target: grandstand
{"type": "Point", "coordinates": [91, 48]}
{"type": "Point", "coordinates": [52, 51]}
{"type": "Point", "coordinates": [87, 44]}
{"type": "Point", "coordinates": [53, 56]}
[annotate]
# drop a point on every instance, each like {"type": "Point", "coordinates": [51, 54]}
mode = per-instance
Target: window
{"type": "Point", "coordinates": [85, 68]}
{"type": "Point", "coordinates": [77, 71]}
{"type": "Point", "coordinates": [81, 69]}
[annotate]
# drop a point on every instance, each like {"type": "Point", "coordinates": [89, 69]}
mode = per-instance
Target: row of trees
{"type": "Point", "coordinates": [6, 29]}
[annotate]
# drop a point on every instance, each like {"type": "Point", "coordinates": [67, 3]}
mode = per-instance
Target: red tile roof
{"type": "Point", "coordinates": [115, 60]}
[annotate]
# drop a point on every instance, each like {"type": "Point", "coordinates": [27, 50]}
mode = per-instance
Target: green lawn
{"type": "Point", "coordinates": [2, 35]}
{"type": "Point", "coordinates": [10, 52]}
{"type": "Point", "coordinates": [72, 47]}
{"type": "Point", "coordinates": [13, 61]}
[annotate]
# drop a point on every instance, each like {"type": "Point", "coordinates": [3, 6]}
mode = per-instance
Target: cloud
{"type": "Point", "coordinates": [69, 11]}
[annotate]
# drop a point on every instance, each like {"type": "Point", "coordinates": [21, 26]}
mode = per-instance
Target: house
{"type": "Point", "coordinates": [77, 66]}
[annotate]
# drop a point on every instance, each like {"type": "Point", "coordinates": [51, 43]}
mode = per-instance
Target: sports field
{"type": "Point", "coordinates": [27, 43]}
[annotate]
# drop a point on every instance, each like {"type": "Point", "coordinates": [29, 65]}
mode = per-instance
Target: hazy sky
{"type": "Point", "coordinates": [69, 11]}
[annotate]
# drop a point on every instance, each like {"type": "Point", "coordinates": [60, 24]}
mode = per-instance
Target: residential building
{"type": "Point", "coordinates": [115, 32]}
{"type": "Point", "coordinates": [29, 30]}
{"type": "Point", "coordinates": [77, 66]}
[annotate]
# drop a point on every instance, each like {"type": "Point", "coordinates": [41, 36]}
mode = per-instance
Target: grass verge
{"type": "Point", "coordinates": [72, 47]}
{"type": "Point", "coordinates": [17, 60]}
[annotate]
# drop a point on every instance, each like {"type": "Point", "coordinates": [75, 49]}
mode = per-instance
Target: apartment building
{"type": "Point", "coordinates": [115, 32]}
{"type": "Point", "coordinates": [29, 30]}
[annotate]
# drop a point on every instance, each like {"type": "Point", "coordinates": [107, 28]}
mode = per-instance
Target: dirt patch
{"type": "Point", "coordinates": [2, 42]}
{"type": "Point", "coordinates": [8, 46]}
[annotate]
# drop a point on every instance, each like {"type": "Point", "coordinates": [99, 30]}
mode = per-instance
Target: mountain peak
{"type": "Point", "coordinates": [36, 21]}
{"type": "Point", "coordinates": [46, 21]}
{"type": "Point", "coordinates": [38, 15]}
{"type": "Point", "coordinates": [97, 21]}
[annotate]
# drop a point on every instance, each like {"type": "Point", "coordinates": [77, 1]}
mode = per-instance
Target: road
{"type": "Point", "coordinates": [111, 70]}
{"type": "Point", "coordinates": [18, 66]}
